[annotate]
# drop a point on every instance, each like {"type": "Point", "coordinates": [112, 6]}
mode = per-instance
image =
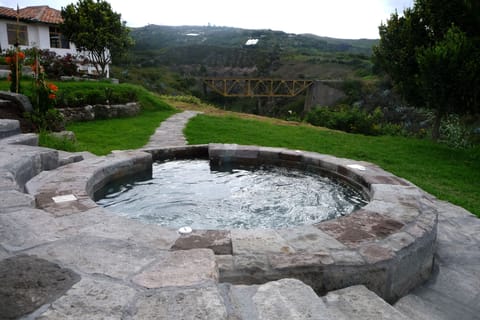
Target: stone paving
{"type": "Point", "coordinates": [173, 129]}
{"type": "Point", "coordinates": [123, 269]}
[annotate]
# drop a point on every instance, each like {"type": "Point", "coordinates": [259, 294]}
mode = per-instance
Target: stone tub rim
{"type": "Point", "coordinates": [388, 245]}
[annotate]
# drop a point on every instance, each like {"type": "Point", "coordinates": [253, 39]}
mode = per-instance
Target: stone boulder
{"type": "Point", "coordinates": [116, 110]}
{"type": "Point", "coordinates": [18, 99]}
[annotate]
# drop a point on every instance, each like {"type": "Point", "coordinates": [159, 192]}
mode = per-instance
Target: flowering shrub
{"type": "Point", "coordinates": [55, 66]}
{"type": "Point", "coordinates": [44, 94]}
{"type": "Point", "coordinates": [15, 61]}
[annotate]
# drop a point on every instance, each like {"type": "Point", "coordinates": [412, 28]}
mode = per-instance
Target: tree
{"type": "Point", "coordinates": [95, 28]}
{"type": "Point", "coordinates": [432, 55]}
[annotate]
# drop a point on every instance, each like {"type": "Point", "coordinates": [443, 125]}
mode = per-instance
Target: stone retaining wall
{"type": "Point", "coordinates": [100, 111]}
{"type": "Point", "coordinates": [388, 245]}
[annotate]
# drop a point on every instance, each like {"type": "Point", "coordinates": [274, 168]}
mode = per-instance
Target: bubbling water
{"type": "Point", "coordinates": [189, 193]}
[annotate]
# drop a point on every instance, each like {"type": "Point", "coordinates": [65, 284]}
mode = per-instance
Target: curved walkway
{"type": "Point", "coordinates": [145, 279]}
{"type": "Point", "coordinates": [170, 132]}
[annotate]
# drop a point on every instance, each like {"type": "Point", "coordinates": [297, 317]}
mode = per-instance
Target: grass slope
{"type": "Point", "coordinates": [102, 136]}
{"type": "Point", "coordinates": [451, 175]}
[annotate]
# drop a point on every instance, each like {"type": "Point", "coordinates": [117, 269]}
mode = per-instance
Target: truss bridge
{"type": "Point", "coordinates": [240, 87]}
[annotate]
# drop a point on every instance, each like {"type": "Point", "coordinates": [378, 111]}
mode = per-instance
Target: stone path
{"type": "Point", "coordinates": [100, 266]}
{"type": "Point", "coordinates": [170, 132]}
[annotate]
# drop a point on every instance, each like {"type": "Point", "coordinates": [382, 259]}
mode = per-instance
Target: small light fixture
{"type": "Point", "coordinates": [64, 198]}
{"type": "Point", "coordinates": [185, 230]}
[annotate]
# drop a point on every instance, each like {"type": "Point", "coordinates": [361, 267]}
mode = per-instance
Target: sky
{"type": "Point", "coordinates": [346, 19]}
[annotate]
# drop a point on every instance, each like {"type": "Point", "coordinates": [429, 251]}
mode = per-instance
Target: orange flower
{"type": "Point", "coordinates": [8, 60]}
{"type": "Point", "coordinates": [34, 66]}
{"type": "Point", "coordinates": [52, 96]}
{"type": "Point", "coordinates": [52, 87]}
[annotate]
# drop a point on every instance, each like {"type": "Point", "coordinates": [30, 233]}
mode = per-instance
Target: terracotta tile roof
{"type": "Point", "coordinates": [43, 14]}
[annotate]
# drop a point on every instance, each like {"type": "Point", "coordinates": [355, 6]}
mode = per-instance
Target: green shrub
{"type": "Point", "coordinates": [348, 119]}
{"type": "Point", "coordinates": [183, 98]}
{"type": "Point", "coordinates": [80, 94]}
{"type": "Point", "coordinates": [46, 139]}
{"type": "Point", "coordinates": [454, 133]}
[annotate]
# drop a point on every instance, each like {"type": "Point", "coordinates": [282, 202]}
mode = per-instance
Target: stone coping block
{"type": "Point", "coordinates": [20, 100]}
{"type": "Point", "coordinates": [388, 245]}
{"type": "Point", "coordinates": [25, 162]}
{"type": "Point", "coordinates": [9, 128]}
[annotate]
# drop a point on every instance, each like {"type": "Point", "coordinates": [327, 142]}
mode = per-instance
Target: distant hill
{"type": "Point", "coordinates": [168, 59]}
{"type": "Point", "coordinates": [154, 37]}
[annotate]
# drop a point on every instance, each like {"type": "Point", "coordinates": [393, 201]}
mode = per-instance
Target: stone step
{"type": "Point", "coordinates": [292, 299]}
{"type": "Point", "coordinates": [13, 200]}
{"type": "Point", "coordinates": [23, 163]}
{"type": "Point", "coordinates": [417, 308]}
{"type": "Point", "coordinates": [282, 299]}
{"type": "Point", "coordinates": [26, 139]}
{"type": "Point", "coordinates": [9, 127]}
{"type": "Point", "coordinates": [65, 158]}
{"type": "Point", "coordinates": [358, 302]}
{"type": "Point", "coordinates": [445, 304]}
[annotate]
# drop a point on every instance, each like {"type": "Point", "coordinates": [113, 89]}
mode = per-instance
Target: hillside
{"type": "Point", "coordinates": [154, 37]}
{"type": "Point", "coordinates": [193, 51]}
{"type": "Point", "coordinates": [171, 60]}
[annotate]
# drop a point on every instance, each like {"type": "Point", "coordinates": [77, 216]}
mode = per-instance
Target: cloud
{"type": "Point", "coordinates": [339, 18]}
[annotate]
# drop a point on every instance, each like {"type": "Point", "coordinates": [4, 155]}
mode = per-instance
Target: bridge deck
{"type": "Point", "coordinates": [238, 87]}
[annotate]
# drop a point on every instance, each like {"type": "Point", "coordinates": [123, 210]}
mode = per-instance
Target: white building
{"type": "Point", "coordinates": [38, 27]}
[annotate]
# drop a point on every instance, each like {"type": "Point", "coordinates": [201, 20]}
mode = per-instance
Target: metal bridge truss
{"type": "Point", "coordinates": [257, 87]}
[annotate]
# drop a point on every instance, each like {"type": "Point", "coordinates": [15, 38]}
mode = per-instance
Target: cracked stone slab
{"type": "Point", "coordinates": [180, 268]}
{"type": "Point", "coordinates": [186, 303]}
{"type": "Point", "coordinates": [395, 193]}
{"type": "Point", "coordinates": [7, 181]}
{"type": "Point", "coordinates": [109, 225]}
{"type": "Point", "coordinates": [28, 282]}
{"type": "Point", "coordinates": [257, 241]}
{"type": "Point", "coordinates": [95, 255]}
{"type": "Point", "coordinates": [284, 299]}
{"type": "Point", "coordinates": [288, 299]}
{"type": "Point", "coordinates": [358, 302]}
{"type": "Point", "coordinates": [360, 226]}
{"type": "Point", "coordinates": [13, 200]}
{"type": "Point", "coordinates": [309, 239]}
{"type": "Point", "coordinates": [26, 228]}
{"type": "Point", "coordinates": [91, 299]}
{"type": "Point", "coordinates": [3, 253]}
{"type": "Point", "coordinates": [217, 240]}
{"type": "Point", "coordinates": [9, 127]}
{"type": "Point", "coordinates": [25, 162]}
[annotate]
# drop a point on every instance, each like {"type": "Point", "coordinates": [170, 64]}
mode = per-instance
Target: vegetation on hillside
{"type": "Point", "coordinates": [195, 52]}
{"type": "Point", "coordinates": [432, 54]}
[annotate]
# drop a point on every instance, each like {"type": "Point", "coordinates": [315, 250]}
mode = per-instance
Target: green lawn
{"type": "Point", "coordinates": [102, 136]}
{"type": "Point", "coordinates": [452, 175]}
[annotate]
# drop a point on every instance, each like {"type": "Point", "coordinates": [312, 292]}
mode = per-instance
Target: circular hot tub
{"type": "Point", "coordinates": [388, 244]}
{"type": "Point", "coordinates": [194, 194]}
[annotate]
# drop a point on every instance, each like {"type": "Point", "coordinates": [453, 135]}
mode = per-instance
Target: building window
{"type": "Point", "coordinates": [57, 39]}
{"type": "Point", "coordinates": [19, 32]}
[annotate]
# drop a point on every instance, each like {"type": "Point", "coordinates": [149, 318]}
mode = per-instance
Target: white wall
{"type": "Point", "coordinates": [3, 35]}
{"type": "Point", "coordinates": [39, 37]}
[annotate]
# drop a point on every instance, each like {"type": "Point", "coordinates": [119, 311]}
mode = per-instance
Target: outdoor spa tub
{"type": "Point", "coordinates": [387, 241]}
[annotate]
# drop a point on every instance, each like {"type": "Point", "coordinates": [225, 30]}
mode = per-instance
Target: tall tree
{"type": "Point", "coordinates": [432, 54]}
{"type": "Point", "coordinates": [95, 28]}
